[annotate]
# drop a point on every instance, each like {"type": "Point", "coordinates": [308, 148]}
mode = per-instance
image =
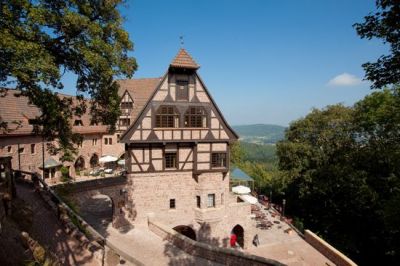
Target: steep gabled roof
{"type": "Point", "coordinates": [184, 60]}
{"type": "Point", "coordinates": [140, 90]}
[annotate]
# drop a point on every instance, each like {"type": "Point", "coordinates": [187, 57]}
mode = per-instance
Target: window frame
{"type": "Point", "coordinates": [33, 148]}
{"type": "Point", "coordinates": [220, 161]}
{"type": "Point", "coordinates": [175, 162]}
{"type": "Point", "coordinates": [127, 122]}
{"type": "Point", "coordinates": [198, 201]}
{"type": "Point", "coordinates": [167, 119]}
{"type": "Point", "coordinates": [211, 199]}
{"type": "Point", "coordinates": [195, 119]}
{"type": "Point", "coordinates": [172, 204]}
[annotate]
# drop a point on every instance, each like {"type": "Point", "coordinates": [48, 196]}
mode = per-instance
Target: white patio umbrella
{"type": "Point", "coordinates": [108, 159]}
{"type": "Point", "coordinates": [241, 190]}
{"type": "Point", "coordinates": [248, 198]}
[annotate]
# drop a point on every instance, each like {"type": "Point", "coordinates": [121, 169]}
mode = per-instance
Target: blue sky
{"type": "Point", "coordinates": [263, 61]}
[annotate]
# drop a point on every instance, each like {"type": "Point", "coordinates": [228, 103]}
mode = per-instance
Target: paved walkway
{"type": "Point", "coordinates": [47, 230]}
{"type": "Point", "coordinates": [287, 248]}
{"type": "Point", "coordinates": [150, 249]}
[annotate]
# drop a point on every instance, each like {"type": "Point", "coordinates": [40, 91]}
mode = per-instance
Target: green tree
{"type": "Point", "coordinates": [323, 186]}
{"type": "Point", "coordinates": [41, 40]}
{"type": "Point", "coordinates": [383, 24]}
{"type": "Point", "coordinates": [340, 167]}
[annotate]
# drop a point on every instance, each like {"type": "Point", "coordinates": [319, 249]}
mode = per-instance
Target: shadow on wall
{"type": "Point", "coordinates": [179, 257]}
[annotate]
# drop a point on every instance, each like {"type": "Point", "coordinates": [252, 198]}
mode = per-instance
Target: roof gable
{"type": "Point", "coordinates": [143, 130]}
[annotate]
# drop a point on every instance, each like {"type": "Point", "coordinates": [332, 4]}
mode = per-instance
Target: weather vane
{"type": "Point", "coordinates": [181, 40]}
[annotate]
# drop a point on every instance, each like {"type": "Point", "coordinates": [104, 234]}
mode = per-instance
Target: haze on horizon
{"type": "Point", "coordinates": [264, 62]}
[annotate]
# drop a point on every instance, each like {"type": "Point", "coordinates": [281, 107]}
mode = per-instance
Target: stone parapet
{"type": "Point", "coordinates": [327, 250]}
{"type": "Point", "coordinates": [221, 255]}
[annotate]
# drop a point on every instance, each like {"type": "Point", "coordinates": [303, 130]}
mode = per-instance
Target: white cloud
{"type": "Point", "coordinates": [345, 79]}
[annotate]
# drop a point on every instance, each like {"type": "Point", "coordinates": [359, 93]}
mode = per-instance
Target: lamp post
{"type": "Point", "coordinates": [283, 207]}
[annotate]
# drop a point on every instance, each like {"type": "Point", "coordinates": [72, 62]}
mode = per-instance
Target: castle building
{"type": "Point", "coordinates": [177, 152]}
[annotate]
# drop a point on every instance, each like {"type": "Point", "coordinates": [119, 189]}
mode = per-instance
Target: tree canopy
{"type": "Point", "coordinates": [42, 40]}
{"type": "Point", "coordinates": [341, 166]}
{"type": "Point", "coordinates": [383, 24]}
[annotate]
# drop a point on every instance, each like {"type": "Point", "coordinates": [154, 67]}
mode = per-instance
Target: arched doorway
{"type": "Point", "coordinates": [79, 163]}
{"type": "Point", "coordinates": [186, 231]}
{"type": "Point", "coordinates": [98, 211]}
{"type": "Point", "coordinates": [239, 232]}
{"type": "Point", "coordinates": [94, 160]}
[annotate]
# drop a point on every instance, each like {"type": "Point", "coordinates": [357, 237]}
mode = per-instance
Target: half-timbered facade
{"type": "Point", "coordinates": [177, 153]}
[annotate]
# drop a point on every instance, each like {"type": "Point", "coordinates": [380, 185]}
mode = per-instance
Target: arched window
{"type": "Point", "coordinates": [167, 116]}
{"type": "Point", "coordinates": [196, 116]}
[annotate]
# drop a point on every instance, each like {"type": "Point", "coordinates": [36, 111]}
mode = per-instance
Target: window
{"type": "Point", "coordinates": [93, 123]}
{"type": "Point", "coordinates": [170, 160]}
{"type": "Point", "coordinates": [126, 105]}
{"type": "Point", "coordinates": [222, 198]}
{"type": "Point", "coordinates": [124, 122]}
{"type": "Point", "coordinates": [196, 117]}
{"type": "Point", "coordinates": [182, 90]}
{"type": "Point", "coordinates": [167, 117]}
{"type": "Point", "coordinates": [211, 200]}
{"type": "Point", "coordinates": [9, 149]}
{"type": "Point", "coordinates": [108, 141]}
{"type": "Point", "coordinates": [80, 144]}
{"type": "Point", "coordinates": [118, 137]}
{"type": "Point", "coordinates": [94, 142]}
{"type": "Point", "coordinates": [172, 204]}
{"type": "Point", "coordinates": [218, 159]}
{"type": "Point", "coordinates": [198, 201]}
{"type": "Point", "coordinates": [78, 122]}
{"type": "Point", "coordinates": [33, 146]}
{"type": "Point", "coordinates": [21, 149]}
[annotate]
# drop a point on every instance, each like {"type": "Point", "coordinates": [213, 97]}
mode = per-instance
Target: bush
{"type": "Point", "coordinates": [65, 174]}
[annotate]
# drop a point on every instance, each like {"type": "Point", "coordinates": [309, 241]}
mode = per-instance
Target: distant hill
{"type": "Point", "coordinates": [260, 133]}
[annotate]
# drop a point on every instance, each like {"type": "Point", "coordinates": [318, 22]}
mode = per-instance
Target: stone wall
{"type": "Point", "coordinates": [224, 256]}
{"type": "Point", "coordinates": [327, 250]}
{"type": "Point", "coordinates": [152, 192]}
{"type": "Point", "coordinates": [150, 195]}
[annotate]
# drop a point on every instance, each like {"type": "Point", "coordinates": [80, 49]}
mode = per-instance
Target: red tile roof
{"type": "Point", "coordinates": [184, 60]}
{"type": "Point", "coordinates": [140, 90]}
{"type": "Point", "coordinates": [16, 108]}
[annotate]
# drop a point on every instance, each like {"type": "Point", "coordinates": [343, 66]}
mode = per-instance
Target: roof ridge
{"type": "Point", "coordinates": [138, 78]}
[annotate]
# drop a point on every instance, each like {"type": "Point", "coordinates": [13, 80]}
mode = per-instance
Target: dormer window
{"type": "Point", "coordinates": [126, 105]}
{"type": "Point", "coordinates": [167, 116]}
{"type": "Point", "coordinates": [124, 122]}
{"type": "Point", "coordinates": [78, 122]}
{"type": "Point", "coordinates": [182, 90]}
{"type": "Point", "coordinates": [196, 116]}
